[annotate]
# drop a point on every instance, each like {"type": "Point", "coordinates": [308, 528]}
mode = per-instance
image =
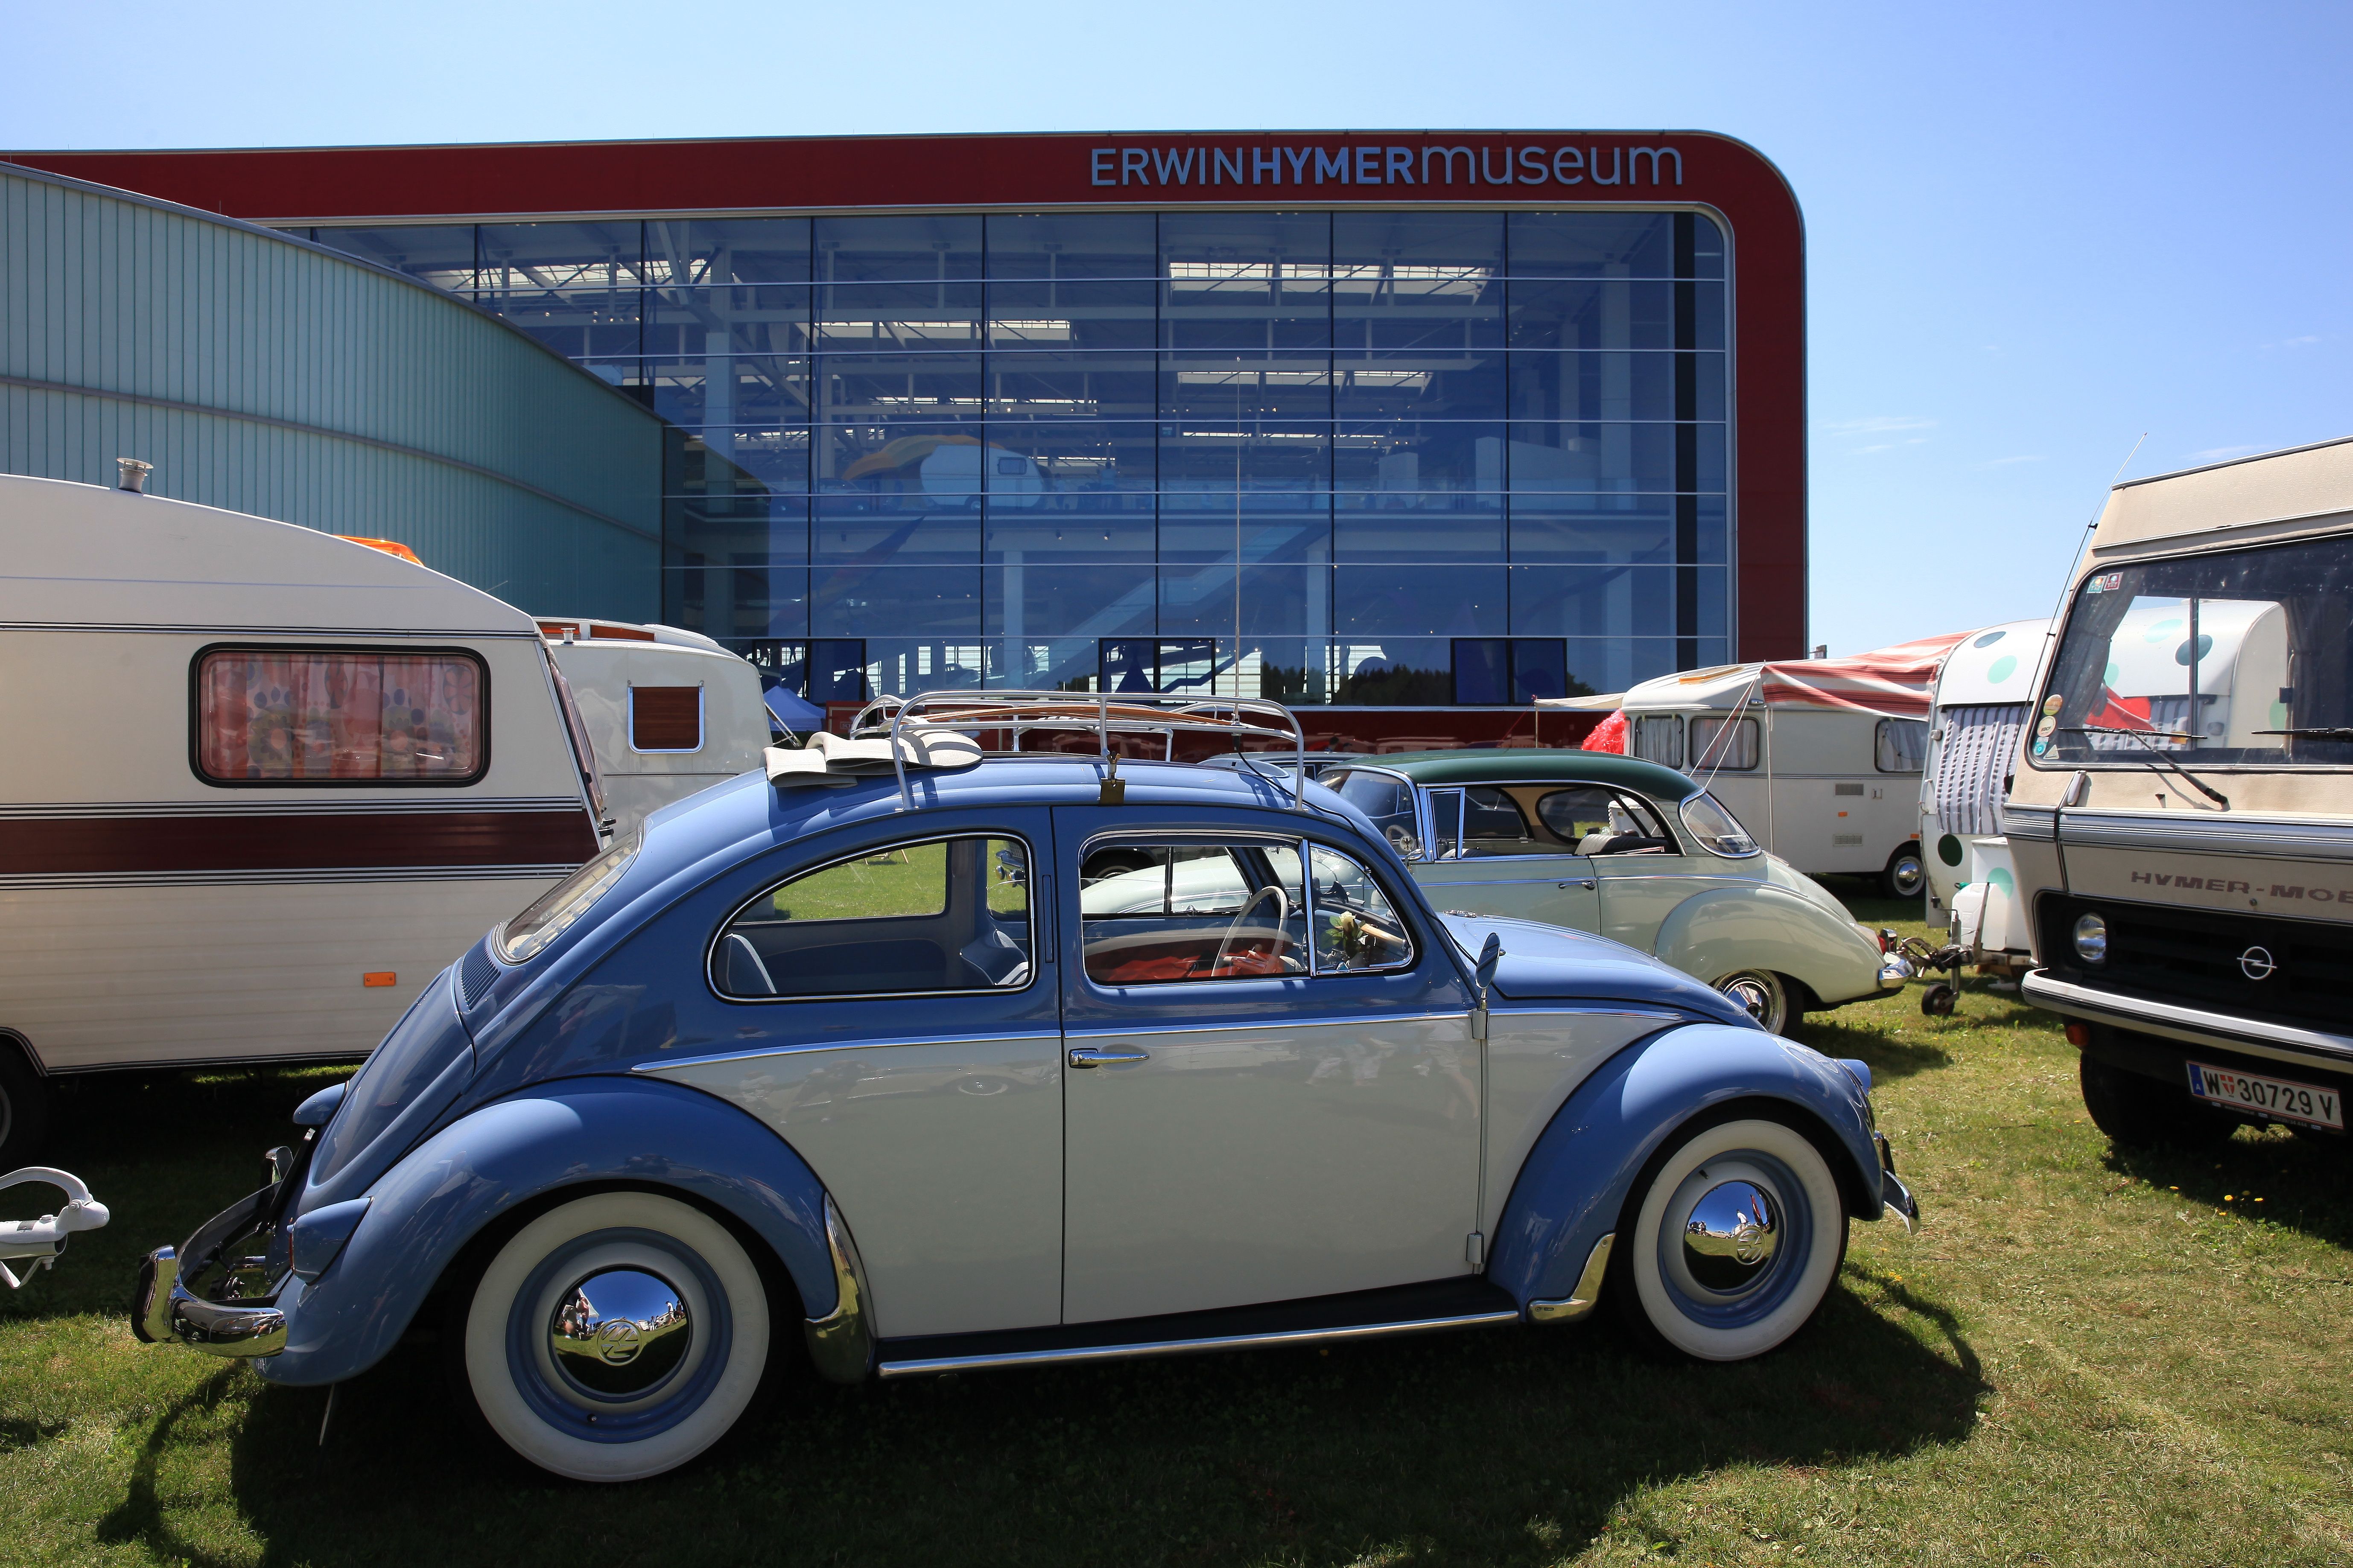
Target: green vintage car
{"type": "Point", "coordinates": [1629, 850]}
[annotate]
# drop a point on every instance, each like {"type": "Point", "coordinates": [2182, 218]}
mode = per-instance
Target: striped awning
{"type": "Point", "coordinates": [1895, 682]}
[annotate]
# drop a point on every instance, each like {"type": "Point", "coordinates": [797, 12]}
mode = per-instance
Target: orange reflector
{"type": "Point", "coordinates": [2079, 1034]}
{"type": "Point", "coordinates": [389, 546]}
{"type": "Point", "coordinates": [380, 977]}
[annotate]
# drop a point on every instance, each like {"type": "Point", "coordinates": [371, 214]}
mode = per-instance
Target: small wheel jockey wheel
{"type": "Point", "coordinates": [1730, 1244]}
{"type": "Point", "coordinates": [616, 1337]}
{"type": "Point", "coordinates": [1763, 994]}
{"type": "Point", "coordinates": [1938, 1000]}
{"type": "Point", "coordinates": [1906, 876]}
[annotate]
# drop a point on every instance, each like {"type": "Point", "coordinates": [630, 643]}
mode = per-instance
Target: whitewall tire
{"type": "Point", "coordinates": [616, 1337]}
{"type": "Point", "coordinates": [1732, 1244]}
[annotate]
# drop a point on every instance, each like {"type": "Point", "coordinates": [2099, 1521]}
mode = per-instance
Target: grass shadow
{"type": "Point", "coordinates": [1890, 1057]}
{"type": "Point", "coordinates": [2304, 1180]}
{"type": "Point", "coordinates": [1504, 1446]}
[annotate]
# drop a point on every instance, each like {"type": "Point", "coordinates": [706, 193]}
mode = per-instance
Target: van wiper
{"type": "Point", "coordinates": [2314, 732]}
{"type": "Point", "coordinates": [2216, 796]}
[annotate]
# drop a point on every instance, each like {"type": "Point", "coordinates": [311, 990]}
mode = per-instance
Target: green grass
{"type": "Point", "coordinates": [2085, 1358]}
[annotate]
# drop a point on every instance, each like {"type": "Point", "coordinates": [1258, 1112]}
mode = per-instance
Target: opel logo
{"type": "Point", "coordinates": [1750, 1245]}
{"type": "Point", "coordinates": [2256, 963]}
{"type": "Point", "coordinates": [617, 1341]}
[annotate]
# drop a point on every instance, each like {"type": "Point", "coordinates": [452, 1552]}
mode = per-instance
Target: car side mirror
{"type": "Point", "coordinates": [1491, 957]}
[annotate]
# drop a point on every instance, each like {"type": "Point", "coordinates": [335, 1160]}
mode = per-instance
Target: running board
{"type": "Point", "coordinates": [1138, 1338]}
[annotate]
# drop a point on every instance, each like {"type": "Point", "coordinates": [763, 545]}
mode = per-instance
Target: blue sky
{"type": "Point", "coordinates": [2035, 231]}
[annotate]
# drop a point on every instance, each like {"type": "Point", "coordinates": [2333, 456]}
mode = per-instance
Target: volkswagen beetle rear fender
{"type": "Point", "coordinates": [1573, 1184]}
{"type": "Point", "coordinates": [424, 1210]}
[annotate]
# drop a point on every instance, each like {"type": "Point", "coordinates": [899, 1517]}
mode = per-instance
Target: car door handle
{"type": "Point", "coordinates": [1095, 1056]}
{"type": "Point", "coordinates": [1585, 882]}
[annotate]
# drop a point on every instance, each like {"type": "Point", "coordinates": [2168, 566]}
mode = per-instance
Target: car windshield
{"type": "Point", "coordinates": [2237, 657]}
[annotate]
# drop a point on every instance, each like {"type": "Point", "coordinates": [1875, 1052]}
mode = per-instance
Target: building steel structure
{"type": "Point", "coordinates": [1377, 420]}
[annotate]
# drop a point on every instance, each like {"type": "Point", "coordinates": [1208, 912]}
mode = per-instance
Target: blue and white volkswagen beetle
{"type": "Point", "coordinates": [912, 1062]}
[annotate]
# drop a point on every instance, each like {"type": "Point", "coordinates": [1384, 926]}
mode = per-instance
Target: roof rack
{"type": "Point", "coordinates": [1105, 714]}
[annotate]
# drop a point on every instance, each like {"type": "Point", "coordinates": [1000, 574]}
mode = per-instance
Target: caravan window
{"type": "Point", "coordinates": [1659, 738]}
{"type": "Point", "coordinates": [340, 716]}
{"type": "Point", "coordinates": [1724, 745]}
{"type": "Point", "coordinates": [1900, 745]}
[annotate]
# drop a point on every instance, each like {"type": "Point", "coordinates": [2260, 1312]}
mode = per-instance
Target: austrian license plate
{"type": "Point", "coordinates": [2273, 1097]}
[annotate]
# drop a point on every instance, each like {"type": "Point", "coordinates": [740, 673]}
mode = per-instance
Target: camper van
{"type": "Point", "coordinates": [668, 713]}
{"type": "Point", "coordinates": [262, 787]}
{"type": "Point", "coordinates": [2182, 816]}
{"type": "Point", "coordinates": [1982, 696]}
{"type": "Point", "coordinates": [1820, 758]}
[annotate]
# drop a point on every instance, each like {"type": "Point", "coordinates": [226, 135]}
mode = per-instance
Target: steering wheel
{"type": "Point", "coordinates": [1282, 913]}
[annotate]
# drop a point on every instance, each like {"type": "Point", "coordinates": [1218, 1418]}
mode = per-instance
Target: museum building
{"type": "Point", "coordinates": [1357, 420]}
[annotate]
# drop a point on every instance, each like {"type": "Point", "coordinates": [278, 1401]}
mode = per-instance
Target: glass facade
{"type": "Point", "coordinates": [1358, 457]}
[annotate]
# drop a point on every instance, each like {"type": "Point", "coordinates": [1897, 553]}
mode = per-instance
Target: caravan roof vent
{"type": "Point", "coordinates": [134, 474]}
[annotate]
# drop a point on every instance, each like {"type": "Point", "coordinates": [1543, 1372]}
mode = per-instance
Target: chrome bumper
{"type": "Point", "coordinates": [1895, 972]}
{"type": "Point", "coordinates": [164, 1311]}
{"type": "Point", "coordinates": [1895, 1197]}
{"type": "Point", "coordinates": [2192, 1025]}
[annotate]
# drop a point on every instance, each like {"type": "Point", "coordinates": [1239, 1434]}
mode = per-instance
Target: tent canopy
{"type": "Point", "coordinates": [1895, 682]}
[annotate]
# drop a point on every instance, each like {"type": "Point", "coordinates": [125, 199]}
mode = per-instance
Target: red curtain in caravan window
{"type": "Point", "coordinates": [306, 715]}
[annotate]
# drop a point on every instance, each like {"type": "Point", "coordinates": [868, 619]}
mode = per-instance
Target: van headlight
{"type": "Point", "coordinates": [2092, 939]}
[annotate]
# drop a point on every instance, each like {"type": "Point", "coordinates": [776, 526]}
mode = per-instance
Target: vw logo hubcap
{"type": "Point", "coordinates": [2256, 963]}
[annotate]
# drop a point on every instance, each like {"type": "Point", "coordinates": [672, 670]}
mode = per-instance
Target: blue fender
{"type": "Point", "coordinates": [426, 1208]}
{"type": "Point", "coordinates": [1572, 1188]}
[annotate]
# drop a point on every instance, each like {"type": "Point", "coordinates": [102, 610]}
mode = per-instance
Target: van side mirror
{"type": "Point", "coordinates": [1491, 957]}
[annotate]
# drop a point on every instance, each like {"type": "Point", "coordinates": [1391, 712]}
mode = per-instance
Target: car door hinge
{"type": "Point", "coordinates": [1474, 1247]}
{"type": "Point", "coordinates": [1479, 1025]}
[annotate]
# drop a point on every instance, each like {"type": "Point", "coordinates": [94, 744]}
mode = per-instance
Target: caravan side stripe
{"type": "Point", "coordinates": [292, 841]}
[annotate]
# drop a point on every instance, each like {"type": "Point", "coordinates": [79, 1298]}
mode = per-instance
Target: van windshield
{"type": "Point", "coordinates": [2239, 657]}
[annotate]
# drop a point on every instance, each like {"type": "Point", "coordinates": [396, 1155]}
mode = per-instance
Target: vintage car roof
{"type": "Point", "coordinates": [1541, 766]}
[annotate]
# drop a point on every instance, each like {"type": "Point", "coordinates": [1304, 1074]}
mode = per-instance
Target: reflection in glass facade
{"type": "Point", "coordinates": [1355, 457]}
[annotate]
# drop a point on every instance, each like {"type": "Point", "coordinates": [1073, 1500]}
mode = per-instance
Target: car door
{"type": "Point", "coordinates": [1272, 1091]}
{"type": "Point", "coordinates": [1485, 859]}
{"type": "Point", "coordinates": [889, 1006]}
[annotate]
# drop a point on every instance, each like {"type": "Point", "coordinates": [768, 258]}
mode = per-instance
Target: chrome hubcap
{"type": "Point", "coordinates": [1730, 1236]}
{"type": "Point", "coordinates": [619, 1332]}
{"type": "Point", "coordinates": [1753, 995]}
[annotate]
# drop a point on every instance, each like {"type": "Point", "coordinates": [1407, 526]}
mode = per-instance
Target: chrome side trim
{"type": "Point", "coordinates": [2283, 1042]}
{"type": "Point", "coordinates": [1255, 1025]}
{"type": "Point", "coordinates": [1576, 1010]}
{"type": "Point", "coordinates": [885, 1043]}
{"type": "Point", "coordinates": [2215, 835]}
{"type": "Point", "coordinates": [1579, 1304]}
{"type": "Point", "coordinates": [841, 1344]}
{"type": "Point", "coordinates": [2038, 824]}
{"type": "Point", "coordinates": [932, 1365]}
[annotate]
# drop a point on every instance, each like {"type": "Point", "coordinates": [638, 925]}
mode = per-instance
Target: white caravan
{"type": "Point", "coordinates": [668, 713]}
{"type": "Point", "coordinates": [1982, 696]}
{"type": "Point", "coordinates": [262, 784]}
{"type": "Point", "coordinates": [1820, 758]}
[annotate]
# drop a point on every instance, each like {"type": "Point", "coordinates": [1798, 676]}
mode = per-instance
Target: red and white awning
{"type": "Point", "coordinates": [1895, 682]}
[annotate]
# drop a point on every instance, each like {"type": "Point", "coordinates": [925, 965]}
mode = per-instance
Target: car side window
{"type": "Point", "coordinates": [943, 914]}
{"type": "Point", "coordinates": [1153, 915]}
{"type": "Point", "coordinates": [1389, 803]}
{"type": "Point", "coordinates": [1357, 927]}
{"type": "Point", "coordinates": [1602, 821]}
{"type": "Point", "coordinates": [1479, 820]}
